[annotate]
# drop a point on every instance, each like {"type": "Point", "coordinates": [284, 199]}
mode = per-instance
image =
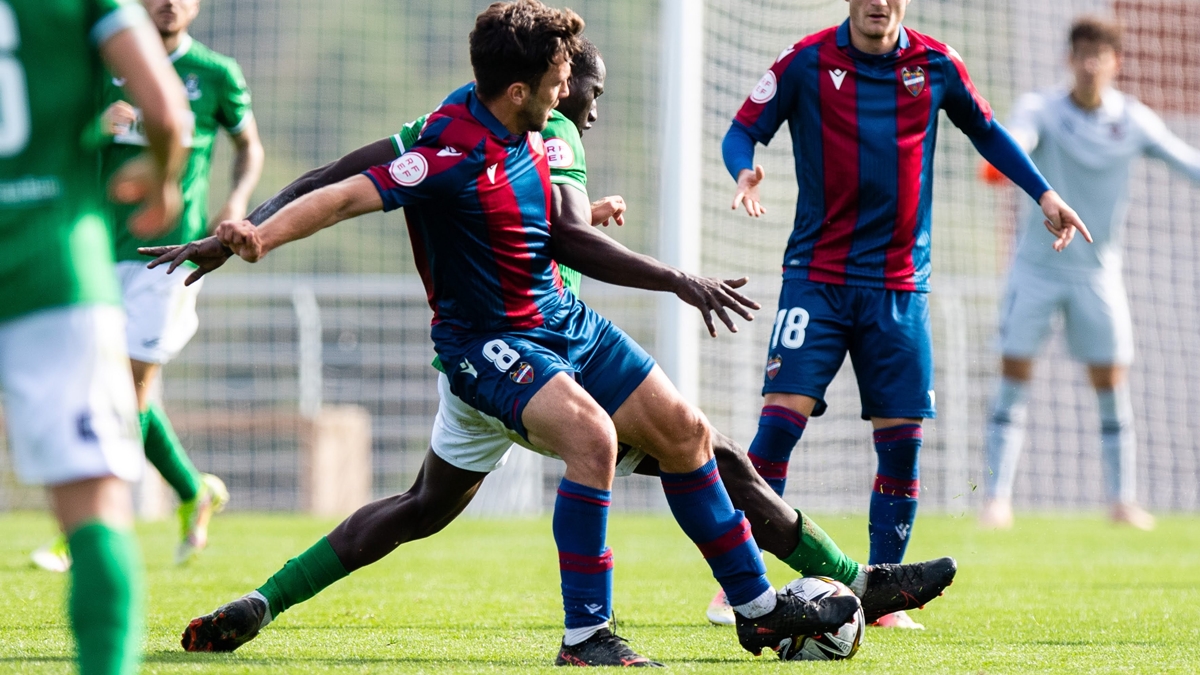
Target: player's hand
{"type": "Point", "coordinates": [208, 254]}
{"type": "Point", "coordinates": [713, 295]}
{"type": "Point", "coordinates": [241, 236]}
{"type": "Point", "coordinates": [118, 118]}
{"type": "Point", "coordinates": [747, 191]}
{"type": "Point", "coordinates": [139, 180]}
{"type": "Point", "coordinates": [1061, 220]}
{"type": "Point", "coordinates": [609, 208]}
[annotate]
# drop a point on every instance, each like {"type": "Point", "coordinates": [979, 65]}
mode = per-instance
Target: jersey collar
{"type": "Point", "coordinates": [843, 42]}
{"type": "Point", "coordinates": [185, 43]}
{"type": "Point", "coordinates": [480, 112]}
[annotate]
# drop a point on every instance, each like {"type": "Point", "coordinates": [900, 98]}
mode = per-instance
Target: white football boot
{"type": "Point", "coordinates": [719, 612]}
{"type": "Point", "coordinates": [195, 515]}
{"type": "Point", "coordinates": [898, 620]}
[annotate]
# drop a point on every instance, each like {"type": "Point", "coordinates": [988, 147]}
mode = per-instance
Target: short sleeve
{"type": "Point", "coordinates": [967, 109]}
{"type": "Point", "coordinates": [233, 109]}
{"type": "Point", "coordinates": [408, 135]}
{"type": "Point", "coordinates": [772, 100]}
{"type": "Point", "coordinates": [112, 17]}
{"type": "Point", "coordinates": [417, 176]}
{"type": "Point", "coordinates": [1025, 123]}
{"type": "Point", "coordinates": [564, 153]}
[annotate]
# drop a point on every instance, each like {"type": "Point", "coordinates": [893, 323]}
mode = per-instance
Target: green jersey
{"type": "Point", "coordinates": [219, 99]}
{"type": "Point", "coordinates": [564, 149]}
{"type": "Point", "coordinates": [54, 237]}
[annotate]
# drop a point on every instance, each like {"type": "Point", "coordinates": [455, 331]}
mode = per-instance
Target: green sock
{"type": "Point", "coordinates": [303, 577]}
{"type": "Point", "coordinates": [106, 599]}
{"type": "Point", "coordinates": [166, 453]}
{"type": "Point", "coordinates": [818, 555]}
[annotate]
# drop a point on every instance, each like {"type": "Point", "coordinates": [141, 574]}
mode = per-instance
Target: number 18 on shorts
{"type": "Point", "coordinates": [886, 333]}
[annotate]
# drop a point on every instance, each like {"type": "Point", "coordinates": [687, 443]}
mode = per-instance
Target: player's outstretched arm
{"type": "Point", "coordinates": [574, 242]}
{"type": "Point", "coordinates": [209, 254]}
{"type": "Point", "coordinates": [302, 218]}
{"type": "Point", "coordinates": [136, 54]}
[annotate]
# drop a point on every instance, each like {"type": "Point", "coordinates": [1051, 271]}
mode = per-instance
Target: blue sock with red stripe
{"type": "Point", "coordinates": [702, 507]}
{"type": "Point", "coordinates": [779, 429]}
{"type": "Point", "coordinates": [894, 496]}
{"type": "Point", "coordinates": [584, 562]}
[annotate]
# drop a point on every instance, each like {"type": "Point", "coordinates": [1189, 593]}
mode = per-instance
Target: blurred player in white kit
{"type": "Point", "coordinates": [1084, 140]}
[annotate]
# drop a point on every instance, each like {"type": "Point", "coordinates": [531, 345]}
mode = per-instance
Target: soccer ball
{"type": "Point", "coordinates": [833, 646]}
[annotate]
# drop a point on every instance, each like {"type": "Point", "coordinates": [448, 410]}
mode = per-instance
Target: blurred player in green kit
{"type": "Point", "coordinates": [69, 401]}
{"type": "Point", "coordinates": [160, 310]}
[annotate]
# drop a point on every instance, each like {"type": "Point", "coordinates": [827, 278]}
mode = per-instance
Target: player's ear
{"type": "Point", "coordinates": [517, 93]}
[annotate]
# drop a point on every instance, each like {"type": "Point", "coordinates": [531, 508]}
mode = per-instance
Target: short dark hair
{"type": "Point", "coordinates": [1097, 29]}
{"type": "Point", "coordinates": [518, 42]}
{"type": "Point", "coordinates": [586, 62]}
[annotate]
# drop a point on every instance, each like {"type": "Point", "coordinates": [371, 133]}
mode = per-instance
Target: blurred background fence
{"type": "Point", "coordinates": [328, 77]}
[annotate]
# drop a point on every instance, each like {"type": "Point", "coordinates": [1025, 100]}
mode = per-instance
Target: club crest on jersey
{"type": "Point", "coordinates": [559, 154]}
{"type": "Point", "coordinates": [192, 84]}
{"type": "Point", "coordinates": [773, 366]}
{"type": "Point", "coordinates": [765, 89]}
{"type": "Point", "coordinates": [523, 374]}
{"type": "Point", "coordinates": [914, 79]}
{"type": "Point", "coordinates": [409, 169]}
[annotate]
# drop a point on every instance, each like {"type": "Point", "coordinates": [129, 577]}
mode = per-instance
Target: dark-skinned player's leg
{"type": "Point", "coordinates": [799, 542]}
{"type": "Point", "coordinates": [440, 492]}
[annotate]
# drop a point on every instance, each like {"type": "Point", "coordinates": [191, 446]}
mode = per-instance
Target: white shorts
{"type": "Point", "coordinates": [473, 441]}
{"type": "Point", "coordinates": [68, 396]}
{"type": "Point", "coordinates": [1095, 315]}
{"type": "Point", "coordinates": [161, 311]}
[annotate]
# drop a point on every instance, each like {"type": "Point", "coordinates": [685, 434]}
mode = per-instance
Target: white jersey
{"type": "Point", "coordinates": [1086, 156]}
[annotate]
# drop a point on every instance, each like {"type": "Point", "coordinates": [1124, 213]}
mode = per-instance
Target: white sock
{"type": "Point", "coordinates": [574, 636]}
{"type": "Point", "coordinates": [859, 585]}
{"type": "Point", "coordinates": [763, 604]}
{"type": "Point", "coordinates": [1118, 444]}
{"type": "Point", "coordinates": [1005, 436]}
{"type": "Point", "coordinates": [266, 608]}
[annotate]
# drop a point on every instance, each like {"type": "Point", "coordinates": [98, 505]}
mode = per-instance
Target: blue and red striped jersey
{"type": "Point", "coordinates": [477, 201]}
{"type": "Point", "coordinates": [863, 132]}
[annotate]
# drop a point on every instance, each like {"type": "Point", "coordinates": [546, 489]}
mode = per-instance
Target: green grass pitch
{"type": "Point", "coordinates": [1056, 595]}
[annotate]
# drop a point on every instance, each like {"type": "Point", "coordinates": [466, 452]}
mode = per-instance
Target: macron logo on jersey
{"type": "Point", "coordinates": [491, 172]}
{"type": "Point", "coordinates": [449, 152]}
{"type": "Point", "coordinates": [838, 76]}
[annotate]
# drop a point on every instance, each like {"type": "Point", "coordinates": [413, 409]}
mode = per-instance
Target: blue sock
{"type": "Point", "coordinates": [779, 429]}
{"type": "Point", "coordinates": [894, 496]}
{"type": "Point", "coordinates": [701, 506]}
{"type": "Point", "coordinates": [585, 564]}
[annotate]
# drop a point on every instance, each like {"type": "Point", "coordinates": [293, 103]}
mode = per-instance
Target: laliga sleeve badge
{"type": "Point", "coordinates": [409, 169]}
{"type": "Point", "coordinates": [523, 374]}
{"type": "Point", "coordinates": [773, 366]}
{"type": "Point", "coordinates": [914, 79]}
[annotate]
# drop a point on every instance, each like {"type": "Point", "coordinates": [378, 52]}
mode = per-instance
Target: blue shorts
{"type": "Point", "coordinates": [887, 334]}
{"type": "Point", "coordinates": [498, 373]}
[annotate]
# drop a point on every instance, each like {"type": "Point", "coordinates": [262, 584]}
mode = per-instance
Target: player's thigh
{"type": "Point", "coordinates": [160, 309]}
{"type": "Point", "coordinates": [68, 396]}
{"type": "Point", "coordinates": [809, 339]}
{"type": "Point", "coordinates": [1026, 308]}
{"type": "Point", "coordinates": [1098, 322]}
{"type": "Point", "coordinates": [657, 419]}
{"type": "Point", "coordinates": [892, 354]}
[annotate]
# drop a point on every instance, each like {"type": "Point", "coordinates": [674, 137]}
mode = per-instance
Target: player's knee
{"type": "Point", "coordinates": [730, 458]}
{"type": "Point", "coordinates": [590, 444]}
{"type": "Point", "coordinates": [687, 432]}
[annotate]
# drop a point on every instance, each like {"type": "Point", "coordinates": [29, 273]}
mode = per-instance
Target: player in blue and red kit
{"type": "Point", "coordinates": [861, 101]}
{"type": "Point", "coordinates": [520, 348]}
